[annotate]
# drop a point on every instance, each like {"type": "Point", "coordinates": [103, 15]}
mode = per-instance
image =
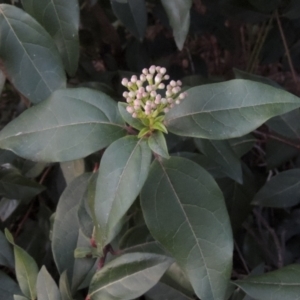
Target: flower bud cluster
{"type": "Point", "coordinates": [143, 97]}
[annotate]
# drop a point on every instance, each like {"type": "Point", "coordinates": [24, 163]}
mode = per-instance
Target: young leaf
{"type": "Point", "coordinates": [66, 226]}
{"type": "Point", "coordinates": [6, 254]}
{"type": "Point", "coordinates": [123, 171]}
{"type": "Point", "coordinates": [128, 276]}
{"type": "Point", "coordinates": [46, 286]}
{"type": "Point", "coordinates": [178, 12]}
{"type": "Point", "coordinates": [29, 55]}
{"type": "Point", "coordinates": [222, 153]}
{"type": "Point", "coordinates": [64, 287]}
{"type": "Point", "coordinates": [158, 145]}
{"type": "Point", "coordinates": [228, 109]}
{"type": "Point", "coordinates": [277, 285]}
{"type": "Point", "coordinates": [197, 232]}
{"type": "Point", "coordinates": [26, 269]}
{"type": "Point", "coordinates": [133, 14]}
{"type": "Point", "coordinates": [134, 122]}
{"type": "Point", "coordinates": [8, 287]}
{"type": "Point", "coordinates": [61, 19]}
{"type": "Point", "coordinates": [72, 123]}
{"type": "Point", "coordinates": [283, 190]}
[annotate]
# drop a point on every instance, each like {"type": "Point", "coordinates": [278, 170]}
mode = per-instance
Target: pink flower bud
{"type": "Point", "coordinates": [130, 109]}
{"type": "Point", "coordinates": [182, 96]}
{"type": "Point", "coordinates": [172, 83]}
{"type": "Point", "coordinates": [139, 83]}
{"type": "Point", "coordinates": [145, 95]}
{"type": "Point", "coordinates": [145, 71]}
{"type": "Point", "coordinates": [137, 102]}
{"type": "Point", "coordinates": [179, 83]}
{"type": "Point", "coordinates": [141, 89]}
{"type": "Point", "coordinates": [177, 101]}
{"type": "Point", "coordinates": [166, 110]}
{"type": "Point", "coordinates": [149, 88]}
{"type": "Point", "coordinates": [143, 77]}
{"type": "Point", "coordinates": [170, 100]}
{"type": "Point", "coordinates": [134, 115]}
{"type": "Point", "coordinates": [125, 94]}
{"type": "Point", "coordinates": [133, 78]}
{"type": "Point", "coordinates": [149, 77]}
{"type": "Point", "coordinates": [158, 78]}
{"type": "Point", "coordinates": [169, 93]}
{"type": "Point", "coordinates": [152, 70]}
{"type": "Point", "coordinates": [164, 101]}
{"type": "Point", "coordinates": [124, 81]}
{"type": "Point", "coordinates": [153, 94]}
{"type": "Point", "coordinates": [161, 86]}
{"type": "Point", "coordinates": [148, 102]}
{"type": "Point", "coordinates": [166, 77]}
{"type": "Point", "coordinates": [163, 71]}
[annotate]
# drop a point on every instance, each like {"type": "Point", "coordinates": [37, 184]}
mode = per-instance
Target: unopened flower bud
{"type": "Point", "coordinates": [152, 70]}
{"type": "Point", "coordinates": [145, 71]}
{"type": "Point", "coordinates": [133, 78]}
{"type": "Point", "coordinates": [149, 77]}
{"type": "Point", "coordinates": [172, 83]}
{"type": "Point", "coordinates": [139, 83]}
{"type": "Point", "coordinates": [124, 81]}
{"type": "Point", "coordinates": [143, 77]}
{"type": "Point", "coordinates": [166, 77]}
{"type": "Point", "coordinates": [148, 88]}
{"type": "Point", "coordinates": [166, 110]}
{"type": "Point", "coordinates": [153, 94]}
{"type": "Point", "coordinates": [177, 101]}
{"type": "Point", "coordinates": [179, 83]}
{"type": "Point", "coordinates": [125, 94]}
{"type": "Point", "coordinates": [158, 78]}
{"type": "Point", "coordinates": [137, 102]}
{"type": "Point", "coordinates": [161, 86]}
{"type": "Point", "coordinates": [134, 115]}
{"type": "Point", "coordinates": [182, 96]}
{"type": "Point", "coordinates": [163, 71]}
{"type": "Point", "coordinates": [130, 109]}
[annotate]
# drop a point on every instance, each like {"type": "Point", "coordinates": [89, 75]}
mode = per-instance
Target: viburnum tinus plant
{"type": "Point", "coordinates": [150, 218]}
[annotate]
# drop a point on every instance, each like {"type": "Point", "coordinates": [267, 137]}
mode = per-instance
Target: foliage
{"type": "Point", "coordinates": [131, 167]}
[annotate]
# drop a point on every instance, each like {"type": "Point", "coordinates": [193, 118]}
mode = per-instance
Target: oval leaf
{"type": "Point", "coordinates": [66, 225]}
{"type": "Point", "coordinates": [61, 19]}
{"type": "Point", "coordinates": [222, 153]}
{"type": "Point", "coordinates": [6, 254]}
{"type": "Point", "coordinates": [8, 287]}
{"type": "Point", "coordinates": [178, 12]}
{"type": "Point", "coordinates": [29, 55]}
{"type": "Point", "coordinates": [46, 286]}
{"type": "Point", "coordinates": [228, 109]}
{"type": "Point", "coordinates": [128, 276]}
{"type": "Point", "coordinates": [71, 124]}
{"type": "Point", "coordinates": [134, 122]}
{"type": "Point", "coordinates": [124, 169]}
{"type": "Point", "coordinates": [26, 269]}
{"type": "Point", "coordinates": [133, 14]}
{"type": "Point", "coordinates": [283, 190]}
{"type": "Point", "coordinates": [198, 233]}
{"type": "Point", "coordinates": [277, 285]}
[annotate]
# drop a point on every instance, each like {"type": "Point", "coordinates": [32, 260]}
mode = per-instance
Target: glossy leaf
{"type": "Point", "coordinates": [277, 285]}
{"type": "Point", "coordinates": [228, 109]}
{"type": "Point", "coordinates": [6, 254]}
{"type": "Point", "coordinates": [128, 276]}
{"type": "Point", "coordinates": [72, 169]}
{"type": "Point", "coordinates": [29, 55]}
{"type": "Point", "coordinates": [15, 186]}
{"type": "Point", "coordinates": [123, 171]}
{"type": "Point", "coordinates": [283, 190]}
{"type": "Point", "coordinates": [158, 145]}
{"type": "Point", "coordinates": [61, 19]}
{"type": "Point", "coordinates": [66, 226]}
{"type": "Point", "coordinates": [178, 12]}
{"type": "Point", "coordinates": [134, 122]}
{"type": "Point", "coordinates": [26, 269]}
{"type": "Point", "coordinates": [8, 287]}
{"type": "Point", "coordinates": [198, 233]}
{"type": "Point", "coordinates": [222, 153]}
{"type": "Point", "coordinates": [72, 123]}
{"type": "Point", "coordinates": [46, 286]}
{"type": "Point", "coordinates": [133, 14]}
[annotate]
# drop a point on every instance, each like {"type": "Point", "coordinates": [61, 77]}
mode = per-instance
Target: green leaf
{"type": "Point", "coordinates": [72, 169]}
{"type": "Point", "coordinates": [61, 19]}
{"type": "Point", "coordinates": [6, 254]}
{"type": "Point", "coordinates": [144, 132]}
{"type": "Point", "coordinates": [8, 287]}
{"type": "Point", "coordinates": [66, 226]}
{"type": "Point", "coordinates": [228, 109]}
{"type": "Point", "coordinates": [46, 286]}
{"type": "Point", "coordinates": [222, 153]}
{"type": "Point", "coordinates": [26, 269]}
{"type": "Point", "coordinates": [15, 186]}
{"type": "Point", "coordinates": [287, 124]}
{"type": "Point", "coordinates": [197, 232]}
{"type": "Point", "coordinates": [64, 287]}
{"type": "Point", "coordinates": [178, 12]}
{"type": "Point", "coordinates": [29, 55]}
{"type": "Point", "coordinates": [134, 122]}
{"type": "Point", "coordinates": [133, 14]}
{"type": "Point", "coordinates": [282, 190]}
{"type": "Point", "coordinates": [18, 297]}
{"type": "Point", "coordinates": [128, 276]}
{"type": "Point", "coordinates": [123, 171]}
{"type": "Point", "coordinates": [71, 124]}
{"type": "Point", "coordinates": [159, 126]}
{"type": "Point", "coordinates": [242, 145]}
{"type": "Point", "coordinates": [277, 285]}
{"type": "Point", "coordinates": [158, 145]}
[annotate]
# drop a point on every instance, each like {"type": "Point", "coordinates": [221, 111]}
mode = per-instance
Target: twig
{"type": "Point", "coordinates": [241, 257]}
{"type": "Point", "coordinates": [287, 51]}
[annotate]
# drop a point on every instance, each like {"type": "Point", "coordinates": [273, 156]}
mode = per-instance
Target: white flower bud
{"type": "Point", "coordinates": [166, 110]}
{"type": "Point", "coordinates": [163, 71]}
{"type": "Point", "coordinates": [157, 101]}
{"type": "Point", "coordinates": [131, 94]}
{"type": "Point", "coordinates": [166, 77]}
{"type": "Point", "coordinates": [139, 95]}
{"type": "Point", "coordinates": [169, 93]}
{"type": "Point", "coordinates": [134, 115]}
{"type": "Point", "coordinates": [152, 70]}
{"type": "Point", "coordinates": [169, 87]}
{"type": "Point", "coordinates": [145, 71]}
{"type": "Point", "coordinates": [158, 78]}
{"type": "Point", "coordinates": [141, 89]}
{"type": "Point", "coordinates": [158, 69]}
{"type": "Point", "coordinates": [128, 100]}
{"type": "Point", "coordinates": [177, 101]}
{"type": "Point", "coordinates": [145, 95]}
{"type": "Point", "coordinates": [130, 109]}
{"type": "Point", "coordinates": [148, 102]}
{"type": "Point", "coordinates": [172, 105]}
{"type": "Point", "coordinates": [149, 77]}
{"type": "Point", "coordinates": [125, 94]}
{"type": "Point", "coordinates": [172, 83]}
{"type": "Point", "coordinates": [130, 84]}
{"type": "Point", "coordinates": [137, 107]}
{"type": "Point", "coordinates": [182, 96]}
{"type": "Point", "coordinates": [149, 88]}
{"type": "Point", "coordinates": [161, 86]}
{"type": "Point", "coordinates": [124, 81]}
{"type": "Point", "coordinates": [179, 83]}
{"type": "Point", "coordinates": [133, 78]}
{"type": "Point", "coordinates": [164, 101]}
{"type": "Point", "coordinates": [170, 100]}
{"type": "Point", "coordinates": [153, 94]}
{"type": "Point", "coordinates": [137, 102]}
{"type": "Point", "coordinates": [143, 77]}
{"type": "Point", "coordinates": [175, 90]}
{"type": "Point", "coordinates": [139, 83]}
